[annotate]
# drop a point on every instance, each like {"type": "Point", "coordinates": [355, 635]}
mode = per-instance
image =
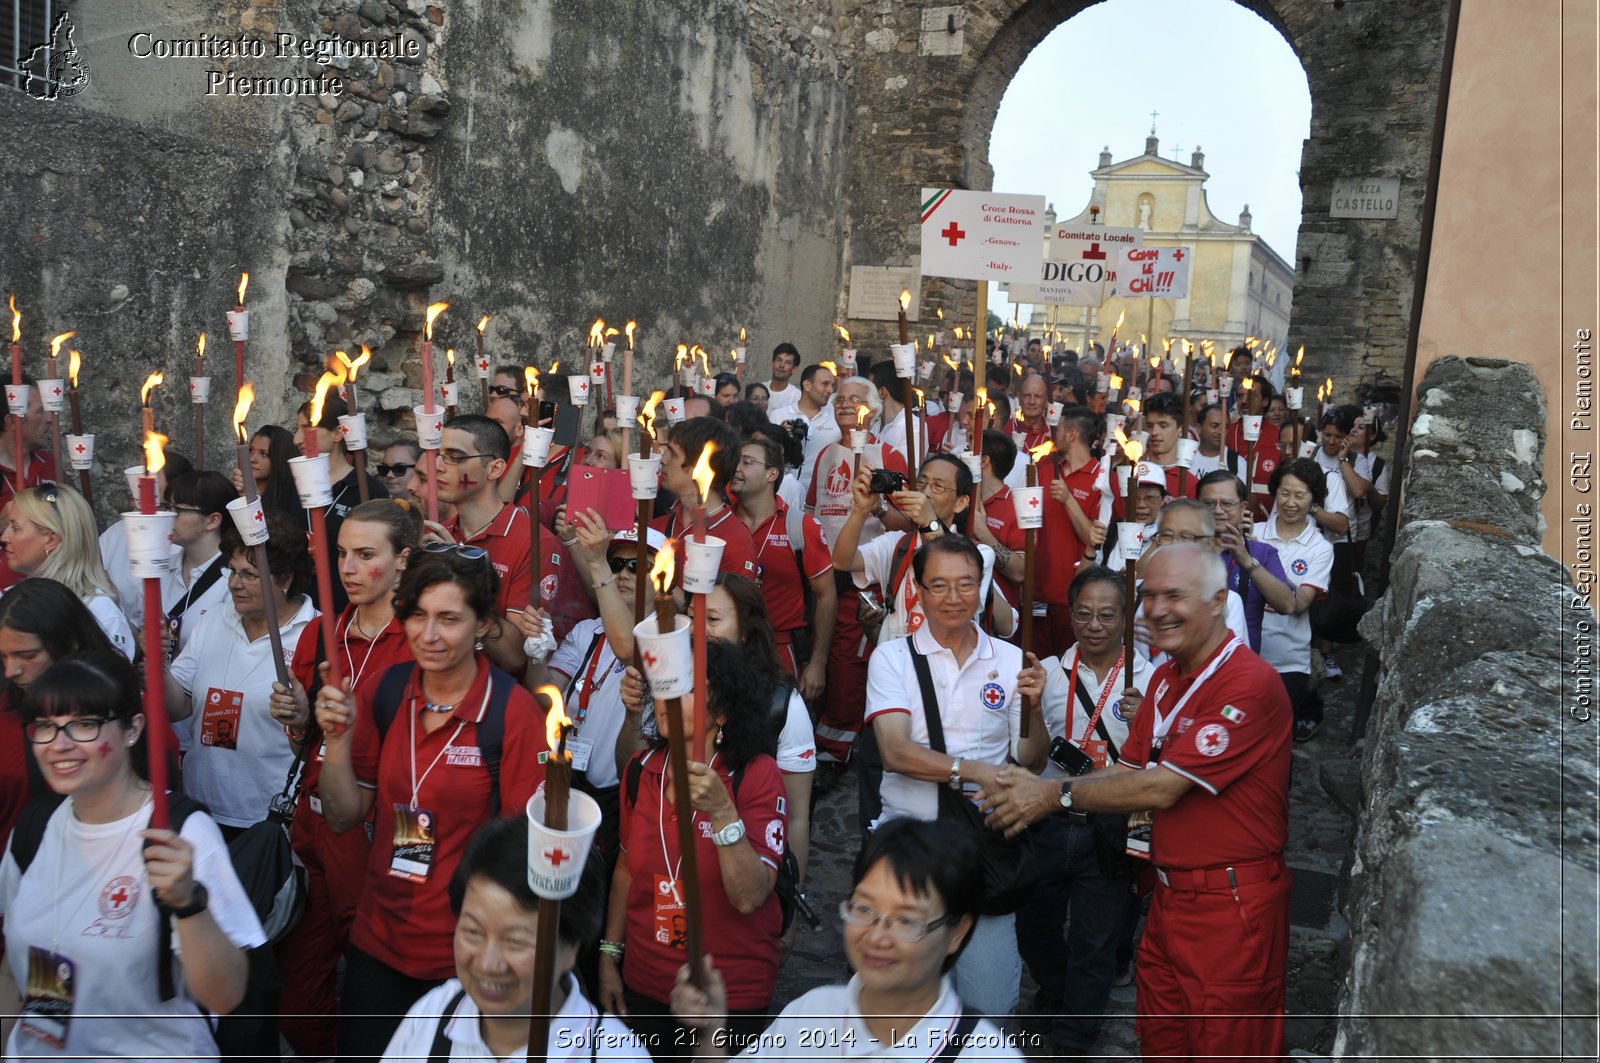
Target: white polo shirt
{"type": "Point", "coordinates": [781, 404]}
{"type": "Point", "coordinates": [1057, 681]}
{"type": "Point", "coordinates": [1339, 499]}
{"type": "Point", "coordinates": [894, 434]}
{"type": "Point", "coordinates": [173, 590]}
{"type": "Point", "coordinates": [1307, 559]}
{"type": "Point", "coordinates": [827, 1022]}
{"type": "Point", "coordinates": [979, 709]}
{"type": "Point", "coordinates": [878, 562]}
{"type": "Point", "coordinates": [575, 1031]}
{"type": "Point", "coordinates": [602, 718]}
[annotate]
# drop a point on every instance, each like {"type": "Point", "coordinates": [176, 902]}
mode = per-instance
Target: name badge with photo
{"type": "Point", "coordinates": [219, 719]}
{"type": "Point", "coordinates": [47, 1000]}
{"type": "Point", "coordinates": [415, 835]}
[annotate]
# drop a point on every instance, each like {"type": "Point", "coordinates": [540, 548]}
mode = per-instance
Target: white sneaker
{"type": "Point", "coordinates": [1331, 667]}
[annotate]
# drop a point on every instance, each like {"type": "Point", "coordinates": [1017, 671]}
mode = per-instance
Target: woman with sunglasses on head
{"type": "Point", "coordinates": [50, 532]}
{"type": "Point", "coordinates": [270, 450]}
{"type": "Point", "coordinates": [376, 542]}
{"type": "Point", "coordinates": [436, 749]}
{"type": "Point", "coordinates": [81, 882]}
{"type": "Point", "coordinates": [398, 470]}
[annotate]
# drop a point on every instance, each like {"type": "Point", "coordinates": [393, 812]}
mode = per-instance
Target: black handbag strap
{"type": "Point", "coordinates": [439, 1051]}
{"type": "Point", "coordinates": [930, 700]}
{"type": "Point", "coordinates": [958, 1037]}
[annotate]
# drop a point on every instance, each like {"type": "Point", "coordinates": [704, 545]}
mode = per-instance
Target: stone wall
{"type": "Point", "coordinates": [1472, 892]}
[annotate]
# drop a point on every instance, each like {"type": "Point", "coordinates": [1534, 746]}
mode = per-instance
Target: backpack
{"type": "Point", "coordinates": [491, 731]}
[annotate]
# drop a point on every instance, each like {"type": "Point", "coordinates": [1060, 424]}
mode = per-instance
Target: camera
{"type": "Point", "coordinates": [886, 482]}
{"type": "Point", "coordinates": [1069, 758]}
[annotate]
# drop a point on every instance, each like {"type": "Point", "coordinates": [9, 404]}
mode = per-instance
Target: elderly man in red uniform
{"type": "Point", "coordinates": [1030, 421]}
{"type": "Point", "coordinates": [1211, 966]}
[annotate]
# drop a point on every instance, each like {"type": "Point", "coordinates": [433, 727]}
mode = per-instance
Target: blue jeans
{"type": "Point", "coordinates": [989, 973]}
{"type": "Point", "coordinates": [1074, 978]}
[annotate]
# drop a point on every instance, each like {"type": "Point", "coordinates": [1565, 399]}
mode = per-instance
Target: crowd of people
{"type": "Point", "coordinates": [1019, 804]}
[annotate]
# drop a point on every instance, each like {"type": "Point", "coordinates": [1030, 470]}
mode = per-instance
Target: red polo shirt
{"type": "Point", "coordinates": [1033, 435]}
{"type": "Point", "coordinates": [1233, 740]}
{"type": "Point", "coordinates": [1268, 456]}
{"type": "Point", "coordinates": [562, 592]}
{"type": "Point", "coordinates": [509, 540]}
{"type": "Point", "coordinates": [1000, 514]}
{"type": "Point", "coordinates": [783, 583]}
{"type": "Point", "coordinates": [404, 923]}
{"type": "Point", "coordinates": [739, 555]}
{"type": "Point", "coordinates": [1060, 549]}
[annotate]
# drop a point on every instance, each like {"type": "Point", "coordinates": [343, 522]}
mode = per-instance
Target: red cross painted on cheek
{"type": "Point", "coordinates": [466, 482]}
{"type": "Point", "coordinates": [105, 749]}
{"type": "Point", "coordinates": [374, 574]}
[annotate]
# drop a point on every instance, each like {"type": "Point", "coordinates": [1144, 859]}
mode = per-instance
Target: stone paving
{"type": "Point", "coordinates": [1324, 796]}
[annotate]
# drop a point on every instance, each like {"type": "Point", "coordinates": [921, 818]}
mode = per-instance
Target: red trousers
{"type": "Point", "coordinates": [844, 699]}
{"type": "Point", "coordinates": [1210, 971]}
{"type": "Point", "coordinates": [336, 871]}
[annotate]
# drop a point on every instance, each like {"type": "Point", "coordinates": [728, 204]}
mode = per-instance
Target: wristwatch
{"type": "Point", "coordinates": [1316, 508]}
{"type": "Point", "coordinates": [955, 774]}
{"type": "Point", "coordinates": [931, 527]}
{"type": "Point", "coordinates": [1066, 795]}
{"type": "Point", "coordinates": [196, 905]}
{"type": "Point", "coordinates": [729, 835]}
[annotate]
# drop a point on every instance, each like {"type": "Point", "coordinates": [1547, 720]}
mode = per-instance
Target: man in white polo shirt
{"type": "Point", "coordinates": [979, 684]}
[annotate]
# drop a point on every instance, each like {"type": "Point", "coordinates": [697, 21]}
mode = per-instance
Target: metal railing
{"type": "Point", "coordinates": [27, 25]}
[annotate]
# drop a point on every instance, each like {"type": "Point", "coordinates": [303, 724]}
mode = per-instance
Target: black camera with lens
{"type": "Point", "coordinates": [886, 482]}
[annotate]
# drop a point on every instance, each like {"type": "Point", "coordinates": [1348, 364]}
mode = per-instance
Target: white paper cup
{"type": "Point", "coordinates": [250, 519]}
{"type": "Point", "coordinates": [1252, 427]}
{"type": "Point", "coordinates": [133, 474]}
{"type": "Point", "coordinates": [1308, 449]}
{"type": "Point", "coordinates": [1212, 397]}
{"type": "Point", "coordinates": [644, 476]}
{"type": "Point", "coordinates": [924, 370]}
{"type": "Point", "coordinates": [1187, 448]}
{"type": "Point", "coordinates": [1143, 439]}
{"type": "Point", "coordinates": [17, 399]}
{"type": "Point", "coordinates": [578, 389]}
{"type": "Point", "coordinates": [354, 427]}
{"type": "Point", "coordinates": [430, 427]}
{"type": "Point", "coordinates": [675, 411]}
{"type": "Point", "coordinates": [452, 392]}
{"type": "Point", "coordinates": [313, 481]}
{"type": "Point", "coordinates": [974, 464]}
{"type": "Point", "coordinates": [1294, 397]}
{"type": "Point", "coordinates": [738, 355]}
{"type": "Point", "coordinates": [239, 324]}
{"type": "Point", "coordinates": [700, 563]}
{"type": "Point", "coordinates": [1130, 539]}
{"type": "Point", "coordinates": [53, 395]}
{"type": "Point", "coordinates": [597, 375]}
{"type": "Point", "coordinates": [556, 857]}
{"type": "Point", "coordinates": [199, 390]}
{"type": "Point", "coordinates": [607, 352]}
{"type": "Point", "coordinates": [858, 440]}
{"type": "Point", "coordinates": [1052, 413]}
{"type": "Point", "coordinates": [706, 385]}
{"type": "Point", "coordinates": [905, 359]}
{"type": "Point", "coordinates": [668, 659]}
{"type": "Point", "coordinates": [484, 365]}
{"type": "Point", "coordinates": [1102, 383]}
{"type": "Point", "coordinates": [80, 451]}
{"type": "Point", "coordinates": [536, 445]}
{"type": "Point", "coordinates": [1029, 502]}
{"type": "Point", "coordinates": [847, 359]}
{"type": "Point", "coordinates": [627, 409]}
{"type": "Point", "coordinates": [149, 543]}
{"type": "Point", "coordinates": [1135, 395]}
{"type": "Point", "coordinates": [1225, 383]}
{"type": "Point", "coordinates": [1114, 423]}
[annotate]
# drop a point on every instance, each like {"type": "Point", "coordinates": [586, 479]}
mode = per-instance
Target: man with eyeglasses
{"type": "Point", "coordinates": [1085, 883]}
{"type": "Point", "coordinates": [1182, 521]}
{"type": "Point", "coordinates": [195, 585]}
{"type": "Point", "coordinates": [1255, 571]}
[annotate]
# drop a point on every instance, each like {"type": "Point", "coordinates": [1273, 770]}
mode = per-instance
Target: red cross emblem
{"type": "Point", "coordinates": [1094, 251]}
{"type": "Point", "coordinates": [1178, 254]}
{"type": "Point", "coordinates": [56, 391]}
{"type": "Point", "coordinates": [259, 516]}
{"type": "Point", "coordinates": [483, 365]}
{"type": "Point", "coordinates": [120, 897]}
{"type": "Point", "coordinates": [650, 659]}
{"type": "Point", "coordinates": [557, 857]}
{"type": "Point", "coordinates": [1033, 502]}
{"type": "Point", "coordinates": [953, 232]}
{"type": "Point", "coordinates": [80, 448]}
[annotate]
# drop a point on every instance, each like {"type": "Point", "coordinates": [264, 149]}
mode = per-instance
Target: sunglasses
{"type": "Point", "coordinates": [399, 468]}
{"type": "Point", "coordinates": [471, 553]}
{"type": "Point", "coordinates": [624, 564]}
{"type": "Point", "coordinates": [503, 392]}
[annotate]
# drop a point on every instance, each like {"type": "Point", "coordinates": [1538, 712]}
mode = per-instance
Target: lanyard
{"type": "Point", "coordinates": [1163, 721]}
{"type": "Point", "coordinates": [1100, 705]}
{"type": "Point", "coordinates": [661, 830]}
{"type": "Point", "coordinates": [586, 690]}
{"type": "Point", "coordinates": [416, 783]}
{"type": "Point", "coordinates": [353, 671]}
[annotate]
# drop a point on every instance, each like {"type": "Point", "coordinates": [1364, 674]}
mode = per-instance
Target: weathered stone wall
{"type": "Point", "coordinates": [1472, 892]}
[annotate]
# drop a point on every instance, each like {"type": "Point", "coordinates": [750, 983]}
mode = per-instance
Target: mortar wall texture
{"type": "Point", "coordinates": [1471, 895]}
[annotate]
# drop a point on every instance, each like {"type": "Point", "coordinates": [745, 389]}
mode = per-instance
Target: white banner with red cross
{"type": "Point", "coordinates": [1162, 272]}
{"type": "Point", "coordinates": [981, 235]}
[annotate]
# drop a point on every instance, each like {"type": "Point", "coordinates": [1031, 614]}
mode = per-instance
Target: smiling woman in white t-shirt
{"type": "Point", "coordinates": [80, 885]}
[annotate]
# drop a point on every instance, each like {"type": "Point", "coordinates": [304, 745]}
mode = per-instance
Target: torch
{"type": "Point", "coordinates": [530, 419]}
{"type": "Point", "coordinates": [82, 445]}
{"type": "Point", "coordinates": [430, 454]}
{"type": "Point", "coordinates": [16, 382]}
{"type": "Point", "coordinates": [644, 492]}
{"type": "Point", "coordinates": [905, 366]}
{"type": "Point", "coordinates": [50, 395]}
{"type": "Point", "coordinates": [482, 363]}
{"type": "Point", "coordinates": [241, 410]}
{"type": "Point", "coordinates": [858, 439]}
{"type": "Point", "coordinates": [1134, 451]}
{"type": "Point", "coordinates": [627, 389]}
{"type": "Point", "coordinates": [354, 423]}
{"type": "Point", "coordinates": [315, 468]}
{"type": "Point", "coordinates": [702, 477]}
{"type": "Point", "coordinates": [149, 566]}
{"type": "Point", "coordinates": [199, 393]}
{"type": "Point", "coordinates": [1030, 517]}
{"type": "Point", "coordinates": [597, 339]}
{"type": "Point", "coordinates": [557, 791]}
{"type": "Point", "coordinates": [239, 329]}
{"type": "Point", "coordinates": [450, 390]}
{"type": "Point", "coordinates": [980, 408]}
{"type": "Point", "coordinates": [738, 355]}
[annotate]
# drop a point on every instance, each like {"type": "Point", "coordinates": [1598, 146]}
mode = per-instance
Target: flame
{"type": "Point", "coordinates": [628, 331]}
{"type": "Point", "coordinates": [1116, 381]}
{"type": "Point", "coordinates": [152, 381]}
{"type": "Point", "coordinates": [702, 475]}
{"type": "Point", "coordinates": [647, 415]}
{"type": "Point", "coordinates": [844, 333]}
{"type": "Point", "coordinates": [556, 721]}
{"type": "Point", "coordinates": [1249, 342]}
{"type": "Point", "coordinates": [705, 362]}
{"type": "Point", "coordinates": [1300, 356]}
{"type": "Point", "coordinates": [955, 366]}
{"type": "Point", "coordinates": [434, 310]}
{"type": "Point", "coordinates": [982, 398]}
{"type": "Point", "coordinates": [1247, 383]}
{"type": "Point", "coordinates": [241, 410]}
{"type": "Point", "coordinates": [1042, 451]}
{"type": "Point", "coordinates": [680, 357]}
{"type": "Point", "coordinates": [530, 376]}
{"type": "Point", "coordinates": [920, 400]}
{"type": "Point", "coordinates": [16, 321]}
{"type": "Point", "coordinates": [1330, 387]}
{"type": "Point", "coordinates": [1166, 346]}
{"type": "Point", "coordinates": [597, 332]}
{"type": "Point", "coordinates": [611, 332]}
{"type": "Point", "coordinates": [905, 299]}
{"type": "Point", "coordinates": [662, 571]}
{"type": "Point", "coordinates": [244, 282]}
{"type": "Point", "coordinates": [483, 323]}
{"type": "Point", "coordinates": [931, 338]}
{"type": "Point", "coordinates": [830, 367]}
{"type": "Point", "coordinates": [1155, 361]}
{"type": "Point", "coordinates": [1271, 357]}
{"type": "Point", "coordinates": [1133, 405]}
{"type": "Point", "coordinates": [863, 415]}
{"type": "Point", "coordinates": [331, 379]}
{"type": "Point", "coordinates": [555, 367]}
{"type": "Point", "coordinates": [1118, 325]}
{"type": "Point", "coordinates": [155, 458]}
{"type": "Point", "coordinates": [352, 368]}
{"type": "Point", "coordinates": [72, 368]}
{"type": "Point", "coordinates": [1018, 368]}
{"type": "Point", "coordinates": [450, 356]}
{"type": "Point", "coordinates": [958, 333]}
{"type": "Point", "coordinates": [57, 341]}
{"type": "Point", "coordinates": [1131, 448]}
{"type": "Point", "coordinates": [741, 335]}
{"type": "Point", "coordinates": [940, 312]}
{"type": "Point", "coordinates": [199, 347]}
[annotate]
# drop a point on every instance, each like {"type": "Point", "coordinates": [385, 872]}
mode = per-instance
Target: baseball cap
{"type": "Point", "coordinates": [653, 538]}
{"type": "Point", "coordinates": [1152, 475]}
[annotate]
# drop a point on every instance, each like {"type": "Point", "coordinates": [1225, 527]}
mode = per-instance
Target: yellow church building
{"type": "Point", "coordinates": [1238, 285]}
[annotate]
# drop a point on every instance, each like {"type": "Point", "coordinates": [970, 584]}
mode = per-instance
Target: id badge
{"type": "Point", "coordinates": [1098, 751]}
{"type": "Point", "coordinates": [414, 839]}
{"type": "Point", "coordinates": [170, 648]}
{"type": "Point", "coordinates": [219, 720]}
{"type": "Point", "coordinates": [580, 751]}
{"type": "Point", "coordinates": [1139, 836]}
{"type": "Point", "coordinates": [314, 803]}
{"type": "Point", "coordinates": [47, 1000]}
{"type": "Point", "coordinates": [672, 926]}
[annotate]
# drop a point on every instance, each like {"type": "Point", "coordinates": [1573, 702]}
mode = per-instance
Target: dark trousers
{"type": "Point", "coordinates": [666, 1038]}
{"type": "Point", "coordinates": [376, 997]}
{"type": "Point", "coordinates": [1305, 702]}
{"type": "Point", "coordinates": [1074, 978]}
{"type": "Point", "coordinates": [869, 779]}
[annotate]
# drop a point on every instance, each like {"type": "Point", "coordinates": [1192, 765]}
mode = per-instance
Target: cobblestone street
{"type": "Point", "coordinates": [1325, 791]}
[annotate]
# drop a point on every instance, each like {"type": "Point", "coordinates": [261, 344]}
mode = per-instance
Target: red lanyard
{"type": "Point", "coordinates": [588, 681]}
{"type": "Point", "coordinates": [1099, 706]}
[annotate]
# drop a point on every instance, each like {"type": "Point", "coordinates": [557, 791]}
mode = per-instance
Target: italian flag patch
{"type": "Point", "coordinates": [1232, 714]}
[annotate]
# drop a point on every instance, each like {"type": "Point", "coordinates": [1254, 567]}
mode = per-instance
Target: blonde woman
{"type": "Point", "coordinates": [50, 533]}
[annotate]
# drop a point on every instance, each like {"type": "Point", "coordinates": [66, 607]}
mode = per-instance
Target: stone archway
{"type": "Point", "coordinates": [929, 81]}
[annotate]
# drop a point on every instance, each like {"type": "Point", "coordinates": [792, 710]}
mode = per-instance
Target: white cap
{"type": "Point", "coordinates": [1152, 475]}
{"type": "Point", "coordinates": [652, 538]}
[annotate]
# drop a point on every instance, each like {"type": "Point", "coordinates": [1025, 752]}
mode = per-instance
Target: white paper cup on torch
{"type": "Point", "coordinates": [1143, 439]}
{"type": "Point", "coordinates": [738, 355]}
{"type": "Point", "coordinates": [430, 427]}
{"type": "Point", "coordinates": [905, 359]}
{"type": "Point", "coordinates": [354, 427]}
{"type": "Point", "coordinates": [644, 476]}
{"type": "Point", "coordinates": [1029, 506]}
{"type": "Point", "coordinates": [1308, 449]}
{"type": "Point", "coordinates": [847, 359]}
{"type": "Point", "coordinates": [452, 393]}
{"type": "Point", "coordinates": [974, 465]}
{"type": "Point", "coordinates": [1252, 427]}
{"type": "Point", "coordinates": [1102, 383]}
{"type": "Point", "coordinates": [706, 385]}
{"type": "Point", "coordinates": [668, 659]}
{"type": "Point", "coordinates": [858, 440]}
{"type": "Point", "coordinates": [700, 564]}
{"type": "Point", "coordinates": [1052, 413]}
{"type": "Point", "coordinates": [1225, 383]}
{"type": "Point", "coordinates": [1130, 538]}
{"type": "Point", "coordinates": [53, 395]}
{"type": "Point", "coordinates": [556, 857]}
{"type": "Point", "coordinates": [608, 352]}
{"type": "Point", "coordinates": [250, 519]}
{"type": "Point", "coordinates": [149, 543]}
{"type": "Point", "coordinates": [80, 452]}
{"type": "Point", "coordinates": [17, 399]}
{"type": "Point", "coordinates": [1294, 398]}
{"type": "Point", "coordinates": [578, 390]}
{"type": "Point", "coordinates": [312, 481]}
{"type": "Point", "coordinates": [536, 445]}
{"type": "Point", "coordinates": [238, 325]}
{"type": "Point", "coordinates": [675, 411]}
{"type": "Point", "coordinates": [133, 474]}
{"type": "Point", "coordinates": [484, 367]}
{"type": "Point", "coordinates": [1187, 449]}
{"type": "Point", "coordinates": [627, 409]}
{"type": "Point", "coordinates": [1114, 423]}
{"type": "Point", "coordinates": [1212, 397]}
{"type": "Point", "coordinates": [1135, 395]}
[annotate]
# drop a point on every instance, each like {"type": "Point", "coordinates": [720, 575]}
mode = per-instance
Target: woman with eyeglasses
{"type": "Point", "coordinates": [50, 532]}
{"type": "Point", "coordinates": [376, 541]}
{"type": "Point", "coordinates": [270, 450]}
{"type": "Point", "coordinates": [81, 880]}
{"type": "Point", "coordinates": [740, 829]}
{"type": "Point", "coordinates": [237, 758]}
{"type": "Point", "coordinates": [436, 749]}
{"type": "Point", "coordinates": [758, 394]}
{"type": "Point", "coordinates": [913, 902]}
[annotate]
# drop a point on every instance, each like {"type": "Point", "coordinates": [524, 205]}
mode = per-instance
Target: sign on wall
{"type": "Point", "coordinates": [1366, 197]}
{"type": "Point", "coordinates": [875, 292]}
